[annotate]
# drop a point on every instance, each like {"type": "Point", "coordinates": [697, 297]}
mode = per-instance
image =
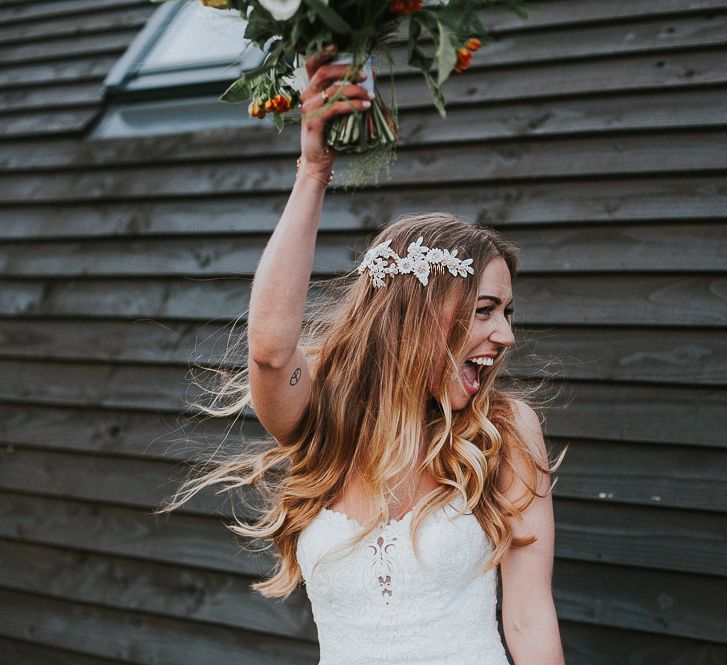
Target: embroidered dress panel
{"type": "Point", "coordinates": [378, 604]}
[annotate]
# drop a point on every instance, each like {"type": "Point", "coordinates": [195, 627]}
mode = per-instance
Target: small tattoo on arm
{"type": "Point", "coordinates": [295, 377]}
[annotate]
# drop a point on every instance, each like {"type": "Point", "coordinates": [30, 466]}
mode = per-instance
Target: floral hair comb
{"type": "Point", "coordinates": [420, 261]}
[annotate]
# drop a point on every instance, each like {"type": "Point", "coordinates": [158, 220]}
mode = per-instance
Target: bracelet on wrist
{"type": "Point", "coordinates": [313, 175]}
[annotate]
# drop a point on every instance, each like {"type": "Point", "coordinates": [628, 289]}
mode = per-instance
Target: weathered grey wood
{"type": "Point", "coordinates": [612, 472]}
{"type": "Point", "coordinates": [516, 50]}
{"type": "Point", "coordinates": [618, 112]}
{"type": "Point", "coordinates": [63, 47]}
{"type": "Point", "coordinates": [135, 341]}
{"type": "Point", "coordinates": [640, 413]}
{"type": "Point", "coordinates": [673, 70]}
{"type": "Point", "coordinates": [147, 639]}
{"type": "Point", "coordinates": [567, 158]}
{"type": "Point", "coordinates": [593, 134]}
{"type": "Point", "coordinates": [71, 94]}
{"type": "Point", "coordinates": [167, 257]}
{"type": "Point", "coordinates": [649, 537]}
{"type": "Point", "coordinates": [694, 247]}
{"type": "Point", "coordinates": [543, 14]}
{"type": "Point", "coordinates": [186, 540]}
{"type": "Point", "coordinates": [635, 72]}
{"type": "Point", "coordinates": [585, 299]}
{"type": "Point", "coordinates": [656, 34]}
{"type": "Point", "coordinates": [643, 248]}
{"type": "Point", "coordinates": [632, 412]}
{"type": "Point", "coordinates": [113, 480]}
{"type": "Point", "coordinates": [419, 126]}
{"type": "Point", "coordinates": [616, 201]}
{"type": "Point", "coordinates": [85, 23]}
{"type": "Point", "coordinates": [24, 653]}
{"type": "Point", "coordinates": [123, 433]}
{"type": "Point", "coordinates": [600, 645]}
{"type": "Point", "coordinates": [149, 587]}
{"type": "Point", "coordinates": [674, 356]}
{"type": "Point", "coordinates": [625, 354]}
{"type": "Point", "coordinates": [47, 124]}
{"type": "Point", "coordinates": [644, 600]}
{"type": "Point", "coordinates": [586, 531]}
{"type": "Point", "coordinates": [44, 10]}
{"type": "Point", "coordinates": [638, 300]}
{"type": "Point", "coordinates": [59, 70]}
{"type": "Point", "coordinates": [628, 473]}
{"type": "Point", "coordinates": [91, 384]}
{"type": "Point", "coordinates": [563, 11]}
{"type": "Point", "coordinates": [629, 598]}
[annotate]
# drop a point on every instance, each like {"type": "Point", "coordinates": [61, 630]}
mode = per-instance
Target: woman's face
{"type": "Point", "coordinates": [491, 331]}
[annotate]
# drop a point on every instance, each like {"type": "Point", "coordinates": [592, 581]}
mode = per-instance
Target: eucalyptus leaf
{"type": "Point", "coordinates": [446, 54]}
{"type": "Point", "coordinates": [437, 96]}
{"type": "Point", "coordinates": [239, 91]}
{"type": "Point", "coordinates": [279, 121]}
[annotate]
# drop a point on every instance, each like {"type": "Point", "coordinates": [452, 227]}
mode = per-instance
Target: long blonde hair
{"type": "Point", "coordinates": [373, 399]}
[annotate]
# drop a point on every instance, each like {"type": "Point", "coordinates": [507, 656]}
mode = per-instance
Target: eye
{"type": "Point", "coordinates": [484, 310]}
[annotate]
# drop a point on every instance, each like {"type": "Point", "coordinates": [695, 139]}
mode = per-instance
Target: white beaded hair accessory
{"type": "Point", "coordinates": [420, 260]}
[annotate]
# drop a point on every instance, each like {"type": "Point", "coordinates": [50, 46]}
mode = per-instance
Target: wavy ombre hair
{"type": "Point", "coordinates": [378, 412]}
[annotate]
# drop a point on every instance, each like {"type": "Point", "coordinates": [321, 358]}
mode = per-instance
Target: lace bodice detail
{"type": "Point", "coordinates": [378, 604]}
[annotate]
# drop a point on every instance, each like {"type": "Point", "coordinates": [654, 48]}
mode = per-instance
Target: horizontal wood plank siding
{"type": "Point", "coordinates": [594, 135]}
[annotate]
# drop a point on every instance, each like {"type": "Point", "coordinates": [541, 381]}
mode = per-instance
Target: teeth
{"type": "Point", "coordinates": [482, 361]}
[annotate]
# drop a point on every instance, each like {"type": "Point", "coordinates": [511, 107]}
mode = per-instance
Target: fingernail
{"type": "Point", "coordinates": [362, 73]}
{"type": "Point", "coordinates": [371, 94]}
{"type": "Point", "coordinates": [366, 104]}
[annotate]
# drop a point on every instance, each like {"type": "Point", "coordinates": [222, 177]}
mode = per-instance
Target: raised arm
{"type": "Point", "coordinates": [278, 373]}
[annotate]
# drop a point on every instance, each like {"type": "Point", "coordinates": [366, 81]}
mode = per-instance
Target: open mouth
{"type": "Point", "coordinates": [471, 376]}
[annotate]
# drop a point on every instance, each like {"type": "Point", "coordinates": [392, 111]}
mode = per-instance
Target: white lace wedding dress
{"type": "Point", "coordinates": [378, 604]}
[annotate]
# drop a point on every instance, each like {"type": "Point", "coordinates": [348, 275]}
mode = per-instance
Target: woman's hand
{"type": "Point", "coordinates": [325, 82]}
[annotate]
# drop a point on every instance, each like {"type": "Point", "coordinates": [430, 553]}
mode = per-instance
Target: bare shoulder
{"type": "Point", "coordinates": [528, 423]}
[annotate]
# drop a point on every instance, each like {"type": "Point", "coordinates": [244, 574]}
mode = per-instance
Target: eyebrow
{"type": "Point", "coordinates": [494, 299]}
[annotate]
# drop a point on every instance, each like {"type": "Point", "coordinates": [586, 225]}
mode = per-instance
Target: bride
{"type": "Point", "coordinates": [400, 481]}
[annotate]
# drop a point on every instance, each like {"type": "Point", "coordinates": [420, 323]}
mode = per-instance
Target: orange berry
{"type": "Point", "coordinates": [405, 6]}
{"type": "Point", "coordinates": [473, 44]}
{"type": "Point", "coordinates": [464, 60]}
{"type": "Point", "coordinates": [281, 103]}
{"type": "Point", "coordinates": [256, 110]}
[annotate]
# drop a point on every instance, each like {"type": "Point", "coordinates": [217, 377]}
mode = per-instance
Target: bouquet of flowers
{"type": "Point", "coordinates": [441, 36]}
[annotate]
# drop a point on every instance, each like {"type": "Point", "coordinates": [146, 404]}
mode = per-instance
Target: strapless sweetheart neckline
{"type": "Point", "coordinates": [378, 603]}
{"type": "Point", "coordinates": [339, 514]}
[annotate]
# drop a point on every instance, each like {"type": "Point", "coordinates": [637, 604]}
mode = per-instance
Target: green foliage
{"type": "Point", "coordinates": [239, 91]}
{"type": "Point", "coordinates": [446, 54]}
{"type": "Point", "coordinates": [330, 17]}
{"type": "Point", "coordinates": [359, 28]}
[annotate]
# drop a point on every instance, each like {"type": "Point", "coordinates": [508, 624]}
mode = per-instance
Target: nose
{"type": "Point", "coordinates": [502, 334]}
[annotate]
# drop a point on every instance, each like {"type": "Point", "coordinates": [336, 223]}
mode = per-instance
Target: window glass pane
{"type": "Point", "coordinates": [200, 35]}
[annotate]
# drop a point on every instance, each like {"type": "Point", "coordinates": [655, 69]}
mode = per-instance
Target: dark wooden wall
{"type": "Point", "coordinates": [594, 135]}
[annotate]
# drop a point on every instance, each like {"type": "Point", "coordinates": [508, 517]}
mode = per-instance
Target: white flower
{"type": "Point", "coordinates": [421, 270]}
{"type": "Point", "coordinates": [299, 80]}
{"type": "Point", "coordinates": [435, 255]}
{"type": "Point", "coordinates": [464, 267]}
{"type": "Point", "coordinates": [281, 10]}
{"type": "Point", "coordinates": [406, 265]}
{"type": "Point", "coordinates": [377, 261]}
{"type": "Point", "coordinates": [416, 248]}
